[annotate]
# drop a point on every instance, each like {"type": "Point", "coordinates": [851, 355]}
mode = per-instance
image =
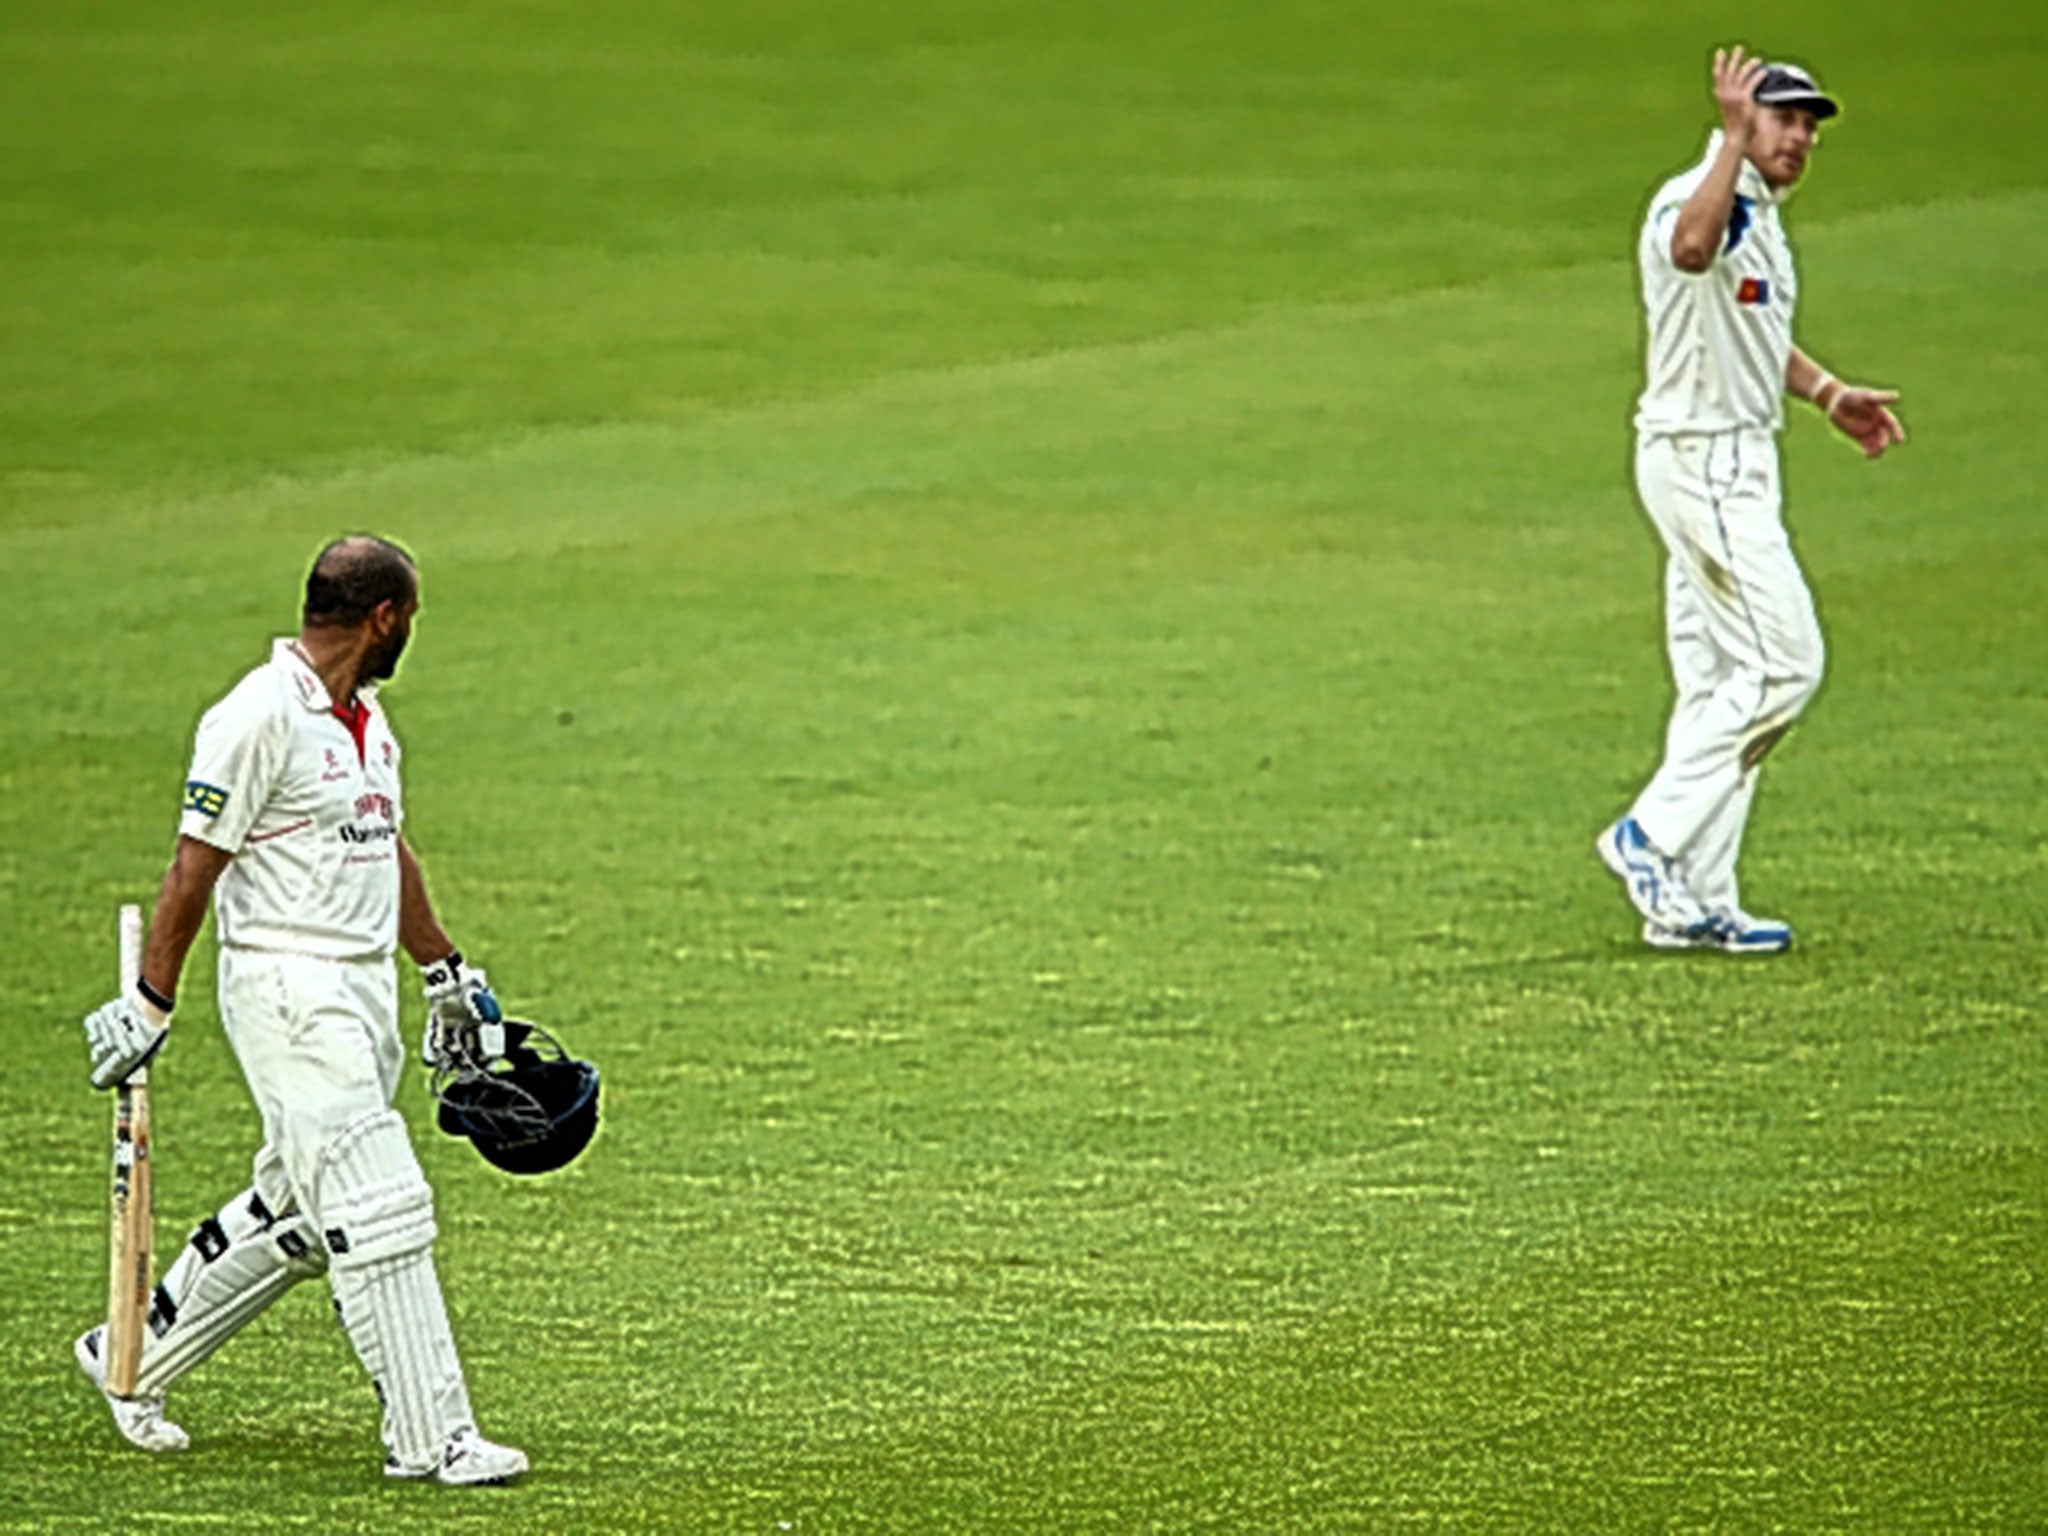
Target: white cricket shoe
{"type": "Point", "coordinates": [467, 1458]}
{"type": "Point", "coordinates": [1733, 933]}
{"type": "Point", "coordinates": [1653, 882]}
{"type": "Point", "coordinates": [140, 1419]}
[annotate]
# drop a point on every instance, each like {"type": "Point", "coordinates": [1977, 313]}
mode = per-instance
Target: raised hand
{"type": "Point", "coordinates": [1736, 76]}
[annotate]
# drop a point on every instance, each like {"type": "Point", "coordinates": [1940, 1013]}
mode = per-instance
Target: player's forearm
{"type": "Point", "coordinates": [1810, 381]}
{"type": "Point", "coordinates": [420, 933]}
{"type": "Point", "coordinates": [180, 910]}
{"type": "Point", "coordinates": [1702, 222]}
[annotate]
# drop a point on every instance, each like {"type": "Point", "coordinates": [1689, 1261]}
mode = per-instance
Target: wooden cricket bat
{"type": "Point", "coordinates": [131, 1262]}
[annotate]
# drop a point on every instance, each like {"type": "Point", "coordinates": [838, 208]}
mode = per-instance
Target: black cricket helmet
{"type": "Point", "coordinates": [531, 1110]}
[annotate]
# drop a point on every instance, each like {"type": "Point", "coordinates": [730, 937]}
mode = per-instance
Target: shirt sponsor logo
{"type": "Point", "coordinates": [381, 815]}
{"type": "Point", "coordinates": [1754, 290]}
{"type": "Point", "coordinates": [206, 799]}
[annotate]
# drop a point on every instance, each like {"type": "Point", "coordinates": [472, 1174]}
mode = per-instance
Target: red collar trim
{"type": "Point", "coordinates": [356, 716]}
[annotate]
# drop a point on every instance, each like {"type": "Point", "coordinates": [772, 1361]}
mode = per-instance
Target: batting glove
{"type": "Point", "coordinates": [465, 1026]}
{"type": "Point", "coordinates": [121, 1036]}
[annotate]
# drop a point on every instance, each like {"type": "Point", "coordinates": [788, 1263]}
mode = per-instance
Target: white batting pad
{"type": "Point", "coordinates": [377, 1217]}
{"type": "Point", "coordinates": [372, 1202]}
{"type": "Point", "coordinates": [237, 1263]}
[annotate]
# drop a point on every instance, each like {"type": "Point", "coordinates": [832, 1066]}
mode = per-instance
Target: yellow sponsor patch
{"type": "Point", "coordinates": [206, 799]}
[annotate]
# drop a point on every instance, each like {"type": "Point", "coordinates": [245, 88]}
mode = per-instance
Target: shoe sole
{"type": "Point", "coordinates": [1670, 941]}
{"type": "Point", "coordinates": [486, 1480]}
{"type": "Point", "coordinates": [439, 1475]}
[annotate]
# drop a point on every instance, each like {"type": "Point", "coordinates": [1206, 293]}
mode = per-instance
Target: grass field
{"type": "Point", "coordinates": [1030, 613]}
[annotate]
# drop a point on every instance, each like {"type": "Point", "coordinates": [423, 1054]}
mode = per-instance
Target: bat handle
{"type": "Point", "coordinates": [131, 946]}
{"type": "Point", "coordinates": [131, 964]}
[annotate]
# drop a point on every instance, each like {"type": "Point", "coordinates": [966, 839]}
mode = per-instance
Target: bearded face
{"type": "Point", "coordinates": [381, 659]}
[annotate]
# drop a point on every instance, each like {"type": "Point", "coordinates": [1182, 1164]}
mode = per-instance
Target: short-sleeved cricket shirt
{"type": "Point", "coordinates": [306, 799]}
{"type": "Point", "coordinates": [1719, 340]}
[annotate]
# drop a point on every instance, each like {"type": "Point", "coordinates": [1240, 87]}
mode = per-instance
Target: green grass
{"type": "Point", "coordinates": [1029, 614]}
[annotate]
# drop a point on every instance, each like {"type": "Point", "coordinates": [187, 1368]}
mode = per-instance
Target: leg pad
{"type": "Point", "coordinates": [373, 1202]}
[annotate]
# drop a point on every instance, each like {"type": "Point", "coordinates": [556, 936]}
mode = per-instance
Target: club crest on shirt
{"type": "Point", "coordinates": [1754, 290]}
{"type": "Point", "coordinates": [336, 768]}
{"type": "Point", "coordinates": [206, 799]}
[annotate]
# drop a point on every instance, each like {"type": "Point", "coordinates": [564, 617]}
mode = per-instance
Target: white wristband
{"type": "Point", "coordinates": [1827, 406]}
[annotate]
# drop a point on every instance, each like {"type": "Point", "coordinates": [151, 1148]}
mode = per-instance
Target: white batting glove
{"type": "Point", "coordinates": [465, 1026]}
{"type": "Point", "coordinates": [122, 1035]}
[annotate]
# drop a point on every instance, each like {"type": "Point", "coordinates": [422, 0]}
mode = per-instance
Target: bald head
{"type": "Point", "coordinates": [351, 576]}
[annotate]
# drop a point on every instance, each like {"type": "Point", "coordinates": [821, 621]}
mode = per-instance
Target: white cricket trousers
{"type": "Point", "coordinates": [318, 1042]}
{"type": "Point", "coordinates": [1743, 639]}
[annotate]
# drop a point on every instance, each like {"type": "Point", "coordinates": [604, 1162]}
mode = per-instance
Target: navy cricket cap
{"type": "Point", "coordinates": [1787, 85]}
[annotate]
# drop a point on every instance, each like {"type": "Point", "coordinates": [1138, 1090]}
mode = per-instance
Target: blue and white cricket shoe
{"type": "Point", "coordinates": [1653, 882]}
{"type": "Point", "coordinates": [1733, 933]}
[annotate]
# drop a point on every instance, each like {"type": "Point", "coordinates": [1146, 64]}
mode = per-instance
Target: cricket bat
{"type": "Point", "coordinates": [131, 1261]}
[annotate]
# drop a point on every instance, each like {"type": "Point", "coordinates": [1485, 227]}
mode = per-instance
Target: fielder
{"type": "Point", "coordinates": [1744, 642]}
{"type": "Point", "coordinates": [292, 826]}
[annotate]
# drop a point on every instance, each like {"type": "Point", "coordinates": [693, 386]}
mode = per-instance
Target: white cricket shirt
{"type": "Point", "coordinates": [1719, 339]}
{"type": "Point", "coordinates": [309, 809]}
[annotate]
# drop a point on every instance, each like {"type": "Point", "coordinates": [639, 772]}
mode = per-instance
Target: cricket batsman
{"type": "Point", "coordinates": [293, 826]}
{"type": "Point", "coordinates": [1719, 289]}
